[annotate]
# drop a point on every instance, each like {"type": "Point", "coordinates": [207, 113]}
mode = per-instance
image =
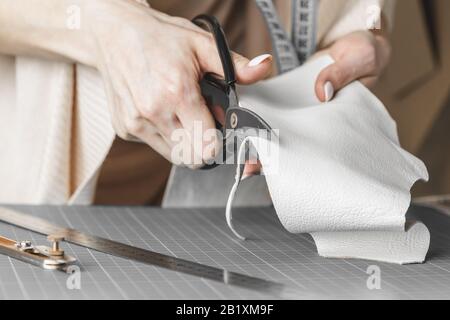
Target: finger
{"type": "Point", "coordinates": [149, 134]}
{"type": "Point", "coordinates": [207, 55]}
{"type": "Point", "coordinates": [219, 114]}
{"type": "Point", "coordinates": [165, 125]}
{"type": "Point", "coordinates": [339, 74]}
{"type": "Point", "coordinates": [163, 131]}
{"type": "Point", "coordinates": [330, 80]}
{"type": "Point", "coordinates": [251, 169]}
{"type": "Point", "coordinates": [247, 72]}
{"type": "Point", "coordinates": [197, 120]}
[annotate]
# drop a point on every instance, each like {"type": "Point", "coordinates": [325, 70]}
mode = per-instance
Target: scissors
{"type": "Point", "coordinates": [222, 92]}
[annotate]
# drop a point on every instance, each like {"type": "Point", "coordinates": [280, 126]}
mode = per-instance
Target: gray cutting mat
{"type": "Point", "coordinates": [202, 236]}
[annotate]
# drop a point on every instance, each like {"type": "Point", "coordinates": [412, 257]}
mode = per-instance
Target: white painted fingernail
{"type": "Point", "coordinates": [245, 177]}
{"type": "Point", "coordinates": [329, 91]}
{"type": "Point", "coordinates": [259, 59]}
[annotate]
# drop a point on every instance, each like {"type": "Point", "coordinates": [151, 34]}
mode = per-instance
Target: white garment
{"type": "Point", "coordinates": [339, 173]}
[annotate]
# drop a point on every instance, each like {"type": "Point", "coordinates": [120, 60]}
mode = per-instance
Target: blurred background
{"type": "Point", "coordinates": [416, 87]}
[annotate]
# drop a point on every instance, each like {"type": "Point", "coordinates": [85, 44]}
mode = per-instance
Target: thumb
{"type": "Point", "coordinates": [247, 72]}
{"type": "Point", "coordinates": [332, 79]}
{"type": "Point", "coordinates": [339, 74]}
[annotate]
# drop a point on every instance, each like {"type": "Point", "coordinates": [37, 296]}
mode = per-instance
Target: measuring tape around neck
{"type": "Point", "coordinates": [284, 51]}
{"type": "Point", "coordinates": [291, 53]}
{"type": "Point", "coordinates": [304, 28]}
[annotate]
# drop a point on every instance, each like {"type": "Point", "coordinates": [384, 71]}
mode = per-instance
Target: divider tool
{"type": "Point", "coordinates": [52, 258]}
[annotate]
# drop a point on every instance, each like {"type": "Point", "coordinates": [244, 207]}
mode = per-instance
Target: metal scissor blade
{"type": "Point", "coordinates": [240, 123]}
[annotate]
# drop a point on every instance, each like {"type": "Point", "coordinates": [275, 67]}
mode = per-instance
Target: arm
{"type": "Point", "coordinates": [40, 28]}
{"type": "Point", "coordinates": [151, 64]}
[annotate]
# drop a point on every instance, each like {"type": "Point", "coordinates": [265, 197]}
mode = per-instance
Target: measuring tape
{"type": "Point", "coordinates": [42, 226]}
{"type": "Point", "coordinates": [304, 28]}
{"type": "Point", "coordinates": [284, 51]}
{"type": "Point", "coordinates": [291, 53]}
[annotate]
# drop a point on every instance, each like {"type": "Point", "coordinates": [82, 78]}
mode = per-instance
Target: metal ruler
{"type": "Point", "coordinates": [42, 226]}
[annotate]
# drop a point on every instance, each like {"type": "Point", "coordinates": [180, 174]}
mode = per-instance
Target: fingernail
{"type": "Point", "coordinates": [259, 59]}
{"type": "Point", "coordinates": [245, 177]}
{"type": "Point", "coordinates": [329, 91]}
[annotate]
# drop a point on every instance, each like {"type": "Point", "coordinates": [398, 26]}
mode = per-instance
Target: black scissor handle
{"type": "Point", "coordinates": [211, 23]}
{"type": "Point", "coordinates": [217, 91]}
{"type": "Point", "coordinates": [222, 92]}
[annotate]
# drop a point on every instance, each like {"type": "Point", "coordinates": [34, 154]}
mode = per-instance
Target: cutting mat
{"type": "Point", "coordinates": [202, 236]}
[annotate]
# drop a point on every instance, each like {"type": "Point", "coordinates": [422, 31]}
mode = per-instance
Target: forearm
{"type": "Point", "coordinates": [45, 28]}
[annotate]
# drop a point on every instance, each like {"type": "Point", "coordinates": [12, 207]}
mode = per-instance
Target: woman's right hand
{"type": "Point", "coordinates": [151, 64]}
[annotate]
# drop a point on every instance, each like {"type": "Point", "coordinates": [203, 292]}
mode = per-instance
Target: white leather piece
{"type": "Point", "coordinates": [342, 175]}
{"type": "Point", "coordinates": [410, 246]}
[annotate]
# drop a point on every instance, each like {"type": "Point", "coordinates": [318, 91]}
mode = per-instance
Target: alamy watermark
{"type": "Point", "coordinates": [374, 280]}
{"type": "Point", "coordinates": [198, 147]}
{"type": "Point", "coordinates": [73, 281]}
{"type": "Point", "coordinates": [373, 17]}
{"type": "Point", "coordinates": [73, 18]}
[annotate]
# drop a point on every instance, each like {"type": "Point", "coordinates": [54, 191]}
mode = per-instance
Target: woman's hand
{"type": "Point", "coordinates": [151, 64]}
{"type": "Point", "coordinates": [361, 55]}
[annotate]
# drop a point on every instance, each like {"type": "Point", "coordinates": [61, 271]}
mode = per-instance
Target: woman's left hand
{"type": "Point", "coordinates": [361, 55]}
